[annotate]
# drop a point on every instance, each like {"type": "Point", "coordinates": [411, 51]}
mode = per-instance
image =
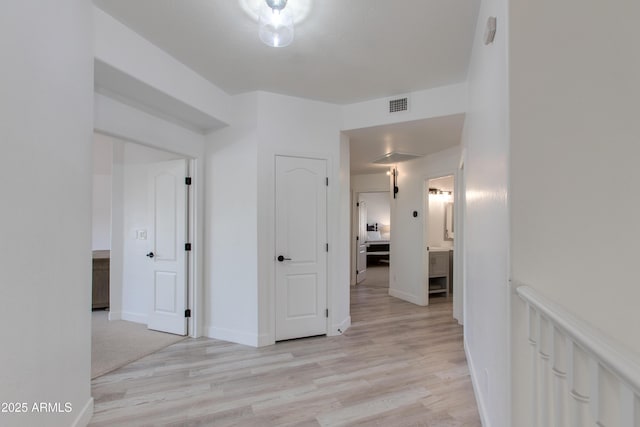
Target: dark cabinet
{"type": "Point", "coordinates": [100, 282]}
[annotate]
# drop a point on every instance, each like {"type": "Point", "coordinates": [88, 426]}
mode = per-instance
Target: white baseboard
{"type": "Point", "coordinates": [135, 317]}
{"type": "Point", "coordinates": [231, 335]}
{"type": "Point", "coordinates": [340, 327]}
{"type": "Point", "coordinates": [115, 315]}
{"type": "Point", "coordinates": [407, 297]}
{"type": "Point", "coordinates": [84, 417]}
{"type": "Point", "coordinates": [480, 398]}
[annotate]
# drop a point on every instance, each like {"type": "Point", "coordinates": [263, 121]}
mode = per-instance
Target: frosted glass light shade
{"type": "Point", "coordinates": [275, 27]}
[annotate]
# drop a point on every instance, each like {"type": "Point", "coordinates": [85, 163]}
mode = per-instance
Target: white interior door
{"type": "Point", "coordinates": [361, 261]}
{"type": "Point", "coordinates": [167, 256]}
{"type": "Point", "coordinates": [301, 247]}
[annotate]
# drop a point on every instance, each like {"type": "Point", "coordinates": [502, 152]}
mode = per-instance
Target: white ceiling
{"type": "Point", "coordinates": [344, 51]}
{"type": "Point", "coordinates": [421, 137]}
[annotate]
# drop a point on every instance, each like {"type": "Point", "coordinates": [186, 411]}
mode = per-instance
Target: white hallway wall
{"type": "Point", "coordinates": [408, 279]}
{"type": "Point", "coordinates": [45, 243]}
{"type": "Point", "coordinates": [486, 150]}
{"type": "Point", "coordinates": [231, 263]}
{"type": "Point", "coordinates": [101, 204]}
{"type": "Point", "coordinates": [574, 173]}
{"type": "Point", "coordinates": [590, 154]}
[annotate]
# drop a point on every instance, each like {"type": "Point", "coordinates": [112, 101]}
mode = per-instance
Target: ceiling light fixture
{"type": "Point", "coordinates": [395, 157]}
{"type": "Point", "coordinates": [275, 24]}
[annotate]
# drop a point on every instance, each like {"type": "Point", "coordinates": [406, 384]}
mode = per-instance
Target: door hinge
{"type": "Point", "coordinates": [327, 247]}
{"type": "Point", "coordinates": [187, 312]}
{"type": "Point", "coordinates": [326, 313]}
{"type": "Point", "coordinates": [187, 180]}
{"type": "Point", "coordinates": [327, 181]}
{"type": "Point", "coordinates": [357, 238]}
{"type": "Point", "coordinates": [358, 205]}
{"type": "Point", "coordinates": [187, 246]}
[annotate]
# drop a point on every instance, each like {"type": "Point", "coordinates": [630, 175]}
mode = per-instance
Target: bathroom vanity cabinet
{"type": "Point", "coordinates": [439, 272]}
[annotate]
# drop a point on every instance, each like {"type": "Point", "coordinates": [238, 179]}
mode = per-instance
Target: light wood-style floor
{"type": "Point", "coordinates": [398, 365]}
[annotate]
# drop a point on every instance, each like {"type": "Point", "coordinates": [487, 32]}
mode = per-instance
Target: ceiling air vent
{"type": "Point", "coordinates": [398, 105]}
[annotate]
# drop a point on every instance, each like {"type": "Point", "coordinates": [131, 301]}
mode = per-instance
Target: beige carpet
{"type": "Point", "coordinates": [117, 343]}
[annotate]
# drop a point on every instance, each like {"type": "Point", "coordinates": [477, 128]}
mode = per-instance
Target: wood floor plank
{"type": "Point", "coordinates": [398, 365]}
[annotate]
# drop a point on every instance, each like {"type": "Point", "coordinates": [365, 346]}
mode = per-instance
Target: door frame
{"type": "Point", "coordinates": [354, 228]}
{"type": "Point", "coordinates": [359, 244]}
{"type": "Point", "coordinates": [353, 232]}
{"type": "Point", "coordinates": [194, 264]}
{"type": "Point", "coordinates": [459, 257]}
{"type": "Point", "coordinates": [270, 338]}
{"type": "Point", "coordinates": [457, 284]}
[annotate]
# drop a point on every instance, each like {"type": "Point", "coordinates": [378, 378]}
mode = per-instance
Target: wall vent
{"type": "Point", "coordinates": [398, 105]}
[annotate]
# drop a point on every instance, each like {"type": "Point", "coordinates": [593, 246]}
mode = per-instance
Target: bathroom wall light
{"type": "Point", "coordinates": [438, 191]}
{"type": "Point", "coordinates": [275, 23]}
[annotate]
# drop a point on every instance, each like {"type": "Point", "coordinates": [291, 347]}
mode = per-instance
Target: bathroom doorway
{"type": "Point", "coordinates": [439, 237]}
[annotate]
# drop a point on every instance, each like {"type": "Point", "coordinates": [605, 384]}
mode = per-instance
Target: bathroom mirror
{"type": "Point", "coordinates": [448, 221]}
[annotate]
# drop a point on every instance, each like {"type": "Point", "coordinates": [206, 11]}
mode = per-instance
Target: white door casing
{"type": "Point", "coordinates": [361, 261]}
{"type": "Point", "coordinates": [167, 238]}
{"type": "Point", "coordinates": [425, 240]}
{"type": "Point", "coordinates": [300, 247]}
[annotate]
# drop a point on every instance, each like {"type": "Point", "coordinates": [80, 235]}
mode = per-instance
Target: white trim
{"type": "Point", "coordinates": [265, 340]}
{"type": "Point", "coordinates": [459, 272]}
{"type": "Point", "coordinates": [416, 299]}
{"type": "Point", "coordinates": [613, 356]}
{"type": "Point", "coordinates": [340, 328]}
{"type": "Point", "coordinates": [482, 407]}
{"type": "Point", "coordinates": [84, 417]}
{"type": "Point", "coordinates": [237, 336]}
{"type": "Point", "coordinates": [115, 315]}
{"type": "Point", "coordinates": [196, 275]}
{"type": "Point", "coordinates": [135, 317]}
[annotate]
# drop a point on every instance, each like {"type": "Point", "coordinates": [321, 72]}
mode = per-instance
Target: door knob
{"type": "Point", "coordinates": [150, 255]}
{"type": "Point", "coordinates": [282, 258]}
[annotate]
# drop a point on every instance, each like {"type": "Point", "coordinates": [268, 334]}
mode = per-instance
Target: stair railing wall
{"type": "Point", "coordinates": [579, 376]}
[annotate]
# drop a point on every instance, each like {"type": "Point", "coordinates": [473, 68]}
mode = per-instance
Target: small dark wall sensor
{"type": "Point", "coordinates": [415, 214]}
